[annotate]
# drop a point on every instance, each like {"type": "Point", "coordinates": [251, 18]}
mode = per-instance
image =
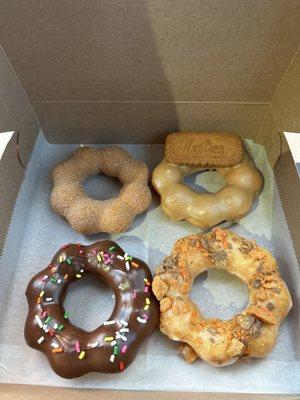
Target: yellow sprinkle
{"type": "Point", "coordinates": [99, 258]}
{"type": "Point", "coordinates": [61, 259]}
{"type": "Point", "coordinates": [147, 300]}
{"type": "Point", "coordinates": [108, 338]}
{"type": "Point", "coordinates": [146, 307]}
{"type": "Point", "coordinates": [78, 276]}
{"type": "Point", "coordinates": [42, 293]}
{"type": "Point", "coordinates": [81, 355]}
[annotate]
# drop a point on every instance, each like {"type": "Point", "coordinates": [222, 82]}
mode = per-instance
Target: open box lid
{"type": "Point", "coordinates": [101, 72]}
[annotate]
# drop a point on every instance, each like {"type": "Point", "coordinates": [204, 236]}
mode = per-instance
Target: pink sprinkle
{"type": "Point", "coordinates": [44, 314]}
{"type": "Point", "coordinates": [146, 288]}
{"type": "Point", "coordinates": [94, 251]}
{"type": "Point", "coordinates": [77, 346]}
{"type": "Point", "coordinates": [133, 295]}
{"type": "Point", "coordinates": [124, 349]}
{"type": "Point", "coordinates": [50, 266]}
{"type": "Point", "coordinates": [145, 316]}
{"type": "Point", "coordinates": [106, 262]}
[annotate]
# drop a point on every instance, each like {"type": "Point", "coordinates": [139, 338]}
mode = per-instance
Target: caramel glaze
{"type": "Point", "coordinates": [72, 351]}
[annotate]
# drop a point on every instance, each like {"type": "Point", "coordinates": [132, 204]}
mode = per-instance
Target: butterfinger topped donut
{"type": "Point", "coordinates": [111, 347]}
{"type": "Point", "coordinates": [187, 153]}
{"type": "Point", "coordinates": [87, 215]}
{"type": "Point", "coordinates": [250, 333]}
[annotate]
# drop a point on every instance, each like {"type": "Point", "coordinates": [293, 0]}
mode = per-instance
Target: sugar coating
{"type": "Point", "coordinates": [87, 215]}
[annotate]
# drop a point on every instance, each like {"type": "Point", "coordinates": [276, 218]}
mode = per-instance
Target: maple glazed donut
{"type": "Point", "coordinates": [250, 333]}
{"type": "Point", "coordinates": [186, 153]}
{"type": "Point", "coordinates": [87, 215]}
{"type": "Point", "coordinates": [111, 347]}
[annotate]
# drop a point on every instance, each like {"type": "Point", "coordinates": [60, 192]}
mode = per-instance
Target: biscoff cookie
{"type": "Point", "coordinates": [204, 149]}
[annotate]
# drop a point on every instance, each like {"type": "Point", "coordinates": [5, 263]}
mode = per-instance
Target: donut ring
{"type": "Point", "coordinates": [111, 347]}
{"type": "Point", "coordinates": [204, 210]}
{"type": "Point", "coordinates": [88, 215]}
{"type": "Point", "coordinates": [252, 332]}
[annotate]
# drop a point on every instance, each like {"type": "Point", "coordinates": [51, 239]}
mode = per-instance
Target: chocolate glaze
{"type": "Point", "coordinates": [72, 351]}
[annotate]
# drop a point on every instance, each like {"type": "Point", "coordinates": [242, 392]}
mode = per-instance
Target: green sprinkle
{"type": "Point", "coordinates": [112, 248]}
{"type": "Point", "coordinates": [61, 327]}
{"type": "Point", "coordinates": [69, 260]}
{"type": "Point", "coordinates": [48, 319]}
{"type": "Point", "coordinates": [53, 280]}
{"type": "Point", "coordinates": [116, 350]}
{"type": "Point", "coordinates": [66, 315]}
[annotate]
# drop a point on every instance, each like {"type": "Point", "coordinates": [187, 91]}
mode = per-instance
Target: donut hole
{"type": "Point", "coordinates": [102, 187]}
{"type": "Point", "coordinates": [219, 294]}
{"type": "Point", "coordinates": [205, 181]}
{"type": "Point", "coordinates": [84, 297]}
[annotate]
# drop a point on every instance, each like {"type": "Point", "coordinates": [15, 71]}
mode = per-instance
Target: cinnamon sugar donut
{"type": "Point", "coordinates": [87, 215]}
{"type": "Point", "coordinates": [252, 332]}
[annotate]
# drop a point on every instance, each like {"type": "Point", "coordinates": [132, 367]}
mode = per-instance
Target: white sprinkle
{"type": "Point", "coordinates": [124, 323]}
{"type": "Point", "coordinates": [45, 277]}
{"type": "Point", "coordinates": [125, 255]}
{"type": "Point", "coordinates": [120, 257]}
{"type": "Point", "coordinates": [81, 270]}
{"type": "Point", "coordinates": [124, 338]}
{"type": "Point", "coordinates": [141, 320]}
{"type": "Point", "coordinates": [112, 322]}
{"type": "Point", "coordinates": [45, 327]}
{"type": "Point", "coordinates": [112, 358]}
{"type": "Point", "coordinates": [59, 281]}
{"type": "Point", "coordinates": [41, 339]}
{"type": "Point", "coordinates": [127, 265]}
{"type": "Point", "coordinates": [124, 330]}
{"type": "Point", "coordinates": [38, 320]}
{"type": "Point", "coordinates": [55, 326]}
{"type": "Point", "coordinates": [48, 298]}
{"type": "Point", "coordinates": [113, 296]}
{"type": "Point", "coordinates": [118, 335]}
{"type": "Point", "coordinates": [55, 345]}
{"type": "Point", "coordinates": [113, 342]}
{"type": "Point", "coordinates": [95, 344]}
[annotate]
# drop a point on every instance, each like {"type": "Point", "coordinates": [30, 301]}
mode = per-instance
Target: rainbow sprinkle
{"type": "Point", "coordinates": [77, 346]}
{"type": "Point", "coordinates": [41, 339]}
{"type": "Point", "coordinates": [124, 349]}
{"type": "Point", "coordinates": [58, 350]}
{"type": "Point", "coordinates": [121, 366]}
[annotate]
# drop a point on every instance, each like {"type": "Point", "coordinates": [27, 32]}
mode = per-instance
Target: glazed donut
{"type": "Point", "coordinates": [88, 215]}
{"type": "Point", "coordinates": [252, 332]}
{"type": "Point", "coordinates": [111, 347]}
{"type": "Point", "coordinates": [204, 210]}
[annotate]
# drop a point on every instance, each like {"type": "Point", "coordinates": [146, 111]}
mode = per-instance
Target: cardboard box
{"type": "Point", "coordinates": [130, 72]}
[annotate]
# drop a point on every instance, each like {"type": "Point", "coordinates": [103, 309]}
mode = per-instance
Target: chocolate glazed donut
{"type": "Point", "coordinates": [112, 347]}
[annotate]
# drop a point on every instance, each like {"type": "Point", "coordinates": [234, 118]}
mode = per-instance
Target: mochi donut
{"type": "Point", "coordinates": [113, 346]}
{"type": "Point", "coordinates": [250, 333]}
{"type": "Point", "coordinates": [87, 215]}
{"type": "Point", "coordinates": [186, 153]}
